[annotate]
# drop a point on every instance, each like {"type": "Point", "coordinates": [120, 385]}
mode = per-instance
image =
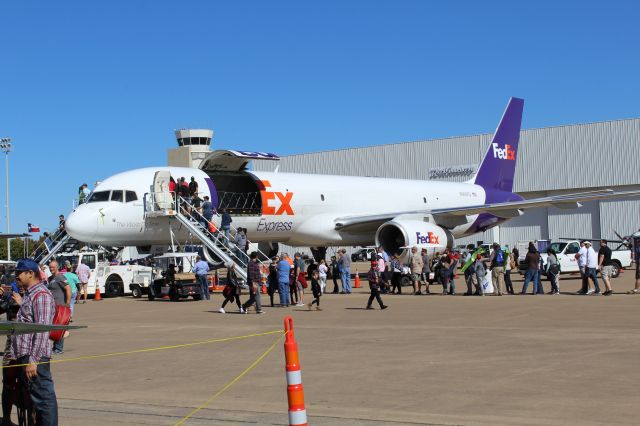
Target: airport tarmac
{"type": "Point", "coordinates": [524, 360]}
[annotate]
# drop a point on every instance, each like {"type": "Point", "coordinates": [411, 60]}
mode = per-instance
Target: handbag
{"type": "Point", "coordinates": [61, 317]}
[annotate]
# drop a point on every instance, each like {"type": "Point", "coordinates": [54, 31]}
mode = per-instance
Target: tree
{"type": "Point", "coordinates": [18, 248]}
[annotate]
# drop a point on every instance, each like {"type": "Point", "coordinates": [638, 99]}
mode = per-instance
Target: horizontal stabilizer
{"type": "Point", "coordinates": [11, 327]}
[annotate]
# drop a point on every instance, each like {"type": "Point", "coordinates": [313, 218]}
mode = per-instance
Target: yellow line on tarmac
{"type": "Point", "coordinates": [137, 351]}
{"type": "Point", "coordinates": [233, 382]}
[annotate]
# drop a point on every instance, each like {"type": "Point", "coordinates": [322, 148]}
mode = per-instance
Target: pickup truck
{"type": "Point", "coordinates": [567, 250]}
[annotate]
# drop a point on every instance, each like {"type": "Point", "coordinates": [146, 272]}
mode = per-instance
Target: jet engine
{"type": "Point", "coordinates": [396, 236]}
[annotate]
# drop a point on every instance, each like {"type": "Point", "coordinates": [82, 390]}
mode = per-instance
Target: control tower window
{"type": "Point", "coordinates": [130, 196]}
{"type": "Point", "coordinates": [99, 196]}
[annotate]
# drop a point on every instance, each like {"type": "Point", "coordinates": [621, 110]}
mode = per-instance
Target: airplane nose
{"type": "Point", "coordinates": [82, 225]}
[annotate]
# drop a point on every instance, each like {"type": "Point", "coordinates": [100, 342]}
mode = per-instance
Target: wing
{"type": "Point", "coordinates": [450, 217]}
{"type": "Point", "coordinates": [10, 327]}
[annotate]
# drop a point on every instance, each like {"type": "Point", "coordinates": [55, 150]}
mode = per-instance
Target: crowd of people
{"type": "Point", "coordinates": [291, 277]}
{"type": "Point", "coordinates": [38, 291]}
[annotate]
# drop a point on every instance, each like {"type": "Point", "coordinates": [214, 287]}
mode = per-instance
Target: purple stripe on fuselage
{"type": "Point", "coordinates": [213, 192]}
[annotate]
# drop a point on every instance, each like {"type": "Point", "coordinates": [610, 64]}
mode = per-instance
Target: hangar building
{"type": "Point", "coordinates": [552, 160]}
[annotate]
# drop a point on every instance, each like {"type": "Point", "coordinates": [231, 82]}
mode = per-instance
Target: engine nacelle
{"type": "Point", "coordinates": [397, 236]}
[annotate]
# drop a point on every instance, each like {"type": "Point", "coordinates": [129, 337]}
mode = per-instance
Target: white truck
{"type": "Point", "coordinates": [112, 280]}
{"type": "Point", "coordinates": [567, 250]}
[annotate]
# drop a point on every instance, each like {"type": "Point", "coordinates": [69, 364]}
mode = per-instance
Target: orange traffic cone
{"type": "Point", "coordinates": [357, 280]}
{"type": "Point", "coordinates": [97, 295]}
{"type": "Point", "coordinates": [264, 288]}
{"type": "Point", "coordinates": [213, 286]}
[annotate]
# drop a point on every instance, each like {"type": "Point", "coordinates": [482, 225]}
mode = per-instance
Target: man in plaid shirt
{"type": "Point", "coordinates": [34, 350]}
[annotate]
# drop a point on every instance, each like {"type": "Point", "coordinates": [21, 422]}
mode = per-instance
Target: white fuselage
{"type": "Point", "coordinates": [297, 209]}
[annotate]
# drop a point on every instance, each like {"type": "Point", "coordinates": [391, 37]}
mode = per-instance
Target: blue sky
{"type": "Point", "coordinates": [89, 89]}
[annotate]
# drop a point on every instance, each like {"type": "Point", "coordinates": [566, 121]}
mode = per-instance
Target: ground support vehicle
{"type": "Point", "coordinates": [184, 285]}
{"type": "Point", "coordinates": [111, 280]}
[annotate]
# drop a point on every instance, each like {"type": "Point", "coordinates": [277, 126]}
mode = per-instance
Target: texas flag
{"type": "Point", "coordinates": [33, 228]}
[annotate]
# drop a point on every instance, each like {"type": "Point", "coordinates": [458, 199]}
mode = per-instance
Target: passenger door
{"type": "Point", "coordinates": [162, 196]}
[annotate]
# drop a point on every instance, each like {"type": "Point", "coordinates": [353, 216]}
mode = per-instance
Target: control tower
{"type": "Point", "coordinates": [193, 147]}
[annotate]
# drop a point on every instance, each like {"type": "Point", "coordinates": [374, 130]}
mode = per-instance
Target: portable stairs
{"type": "Point", "coordinates": [60, 243]}
{"type": "Point", "coordinates": [216, 241]}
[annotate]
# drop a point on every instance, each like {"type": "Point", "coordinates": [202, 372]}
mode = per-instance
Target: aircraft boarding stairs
{"type": "Point", "coordinates": [61, 242]}
{"type": "Point", "coordinates": [216, 242]}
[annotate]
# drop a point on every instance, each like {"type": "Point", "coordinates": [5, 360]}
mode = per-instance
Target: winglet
{"type": "Point", "coordinates": [498, 167]}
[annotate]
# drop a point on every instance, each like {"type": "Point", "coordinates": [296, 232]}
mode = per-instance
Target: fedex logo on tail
{"type": "Point", "coordinates": [506, 153]}
{"type": "Point", "coordinates": [430, 238]}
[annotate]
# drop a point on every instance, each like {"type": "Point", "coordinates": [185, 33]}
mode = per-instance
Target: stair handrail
{"type": "Point", "coordinates": [228, 240]}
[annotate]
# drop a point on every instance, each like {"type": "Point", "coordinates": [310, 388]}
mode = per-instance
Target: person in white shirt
{"type": "Point", "coordinates": [591, 267]}
{"type": "Point", "coordinates": [322, 273]}
{"type": "Point", "coordinates": [581, 258]}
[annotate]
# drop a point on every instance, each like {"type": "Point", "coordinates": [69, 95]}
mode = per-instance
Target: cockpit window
{"type": "Point", "coordinates": [131, 196]}
{"type": "Point", "coordinates": [116, 196]}
{"type": "Point", "coordinates": [98, 196]}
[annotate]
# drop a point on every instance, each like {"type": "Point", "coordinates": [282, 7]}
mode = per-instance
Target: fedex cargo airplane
{"type": "Point", "coordinates": [321, 210]}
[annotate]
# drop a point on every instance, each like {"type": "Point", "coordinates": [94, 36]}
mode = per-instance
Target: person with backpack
{"type": "Point", "coordinates": [232, 290]}
{"type": "Point", "coordinates": [497, 261]}
{"type": "Point", "coordinates": [34, 350]}
{"type": "Point", "coordinates": [553, 271]}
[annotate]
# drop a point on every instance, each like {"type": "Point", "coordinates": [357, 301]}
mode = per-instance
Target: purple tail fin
{"type": "Point", "coordinates": [499, 164]}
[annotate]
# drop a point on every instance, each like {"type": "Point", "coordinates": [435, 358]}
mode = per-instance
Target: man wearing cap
{"type": "Point", "coordinates": [34, 350]}
{"type": "Point", "coordinates": [61, 292]}
{"type": "Point", "coordinates": [592, 268]}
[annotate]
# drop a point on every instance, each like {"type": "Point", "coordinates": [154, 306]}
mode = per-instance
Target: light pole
{"type": "Point", "coordinates": [5, 145]}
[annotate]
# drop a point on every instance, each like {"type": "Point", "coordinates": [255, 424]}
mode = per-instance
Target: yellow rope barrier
{"type": "Point", "coordinates": [137, 351]}
{"type": "Point", "coordinates": [233, 382]}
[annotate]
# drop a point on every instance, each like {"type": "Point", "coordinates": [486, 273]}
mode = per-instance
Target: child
{"type": "Point", "coordinates": [374, 285]}
{"type": "Point", "coordinates": [316, 289]}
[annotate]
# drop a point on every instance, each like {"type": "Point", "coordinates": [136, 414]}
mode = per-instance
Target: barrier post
{"type": "Point", "coordinates": [295, 391]}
